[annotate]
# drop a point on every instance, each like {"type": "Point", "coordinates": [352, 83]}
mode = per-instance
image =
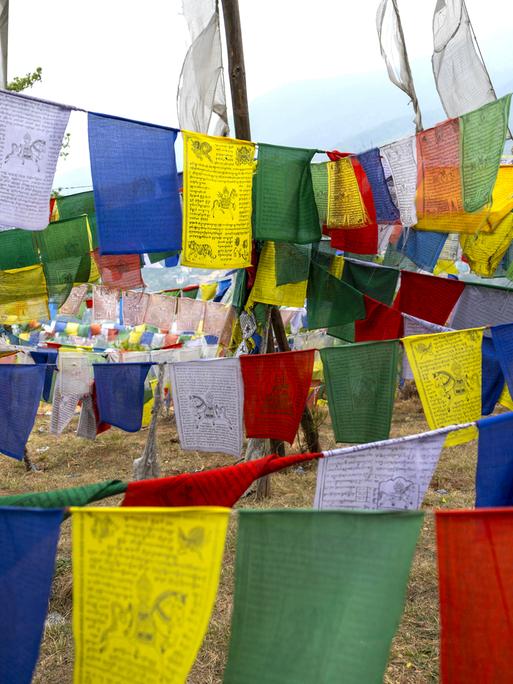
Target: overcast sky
{"type": "Point", "coordinates": [124, 56]}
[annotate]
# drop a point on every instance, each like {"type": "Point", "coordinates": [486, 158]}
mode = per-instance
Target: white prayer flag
{"type": "Point", "coordinates": [31, 135]}
{"type": "Point", "coordinates": [389, 475]}
{"type": "Point", "coordinates": [401, 157]}
{"type": "Point", "coordinates": [208, 397]}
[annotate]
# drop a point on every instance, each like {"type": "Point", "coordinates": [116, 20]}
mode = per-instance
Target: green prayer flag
{"type": "Point", "coordinates": [284, 202]}
{"type": "Point", "coordinates": [61, 498]}
{"type": "Point", "coordinates": [60, 276]}
{"type": "Point", "coordinates": [239, 290]}
{"type": "Point", "coordinates": [318, 594]}
{"type": "Point", "coordinates": [292, 262]}
{"type": "Point", "coordinates": [361, 381]}
{"type": "Point", "coordinates": [323, 253]}
{"type": "Point", "coordinates": [375, 281]}
{"type": "Point", "coordinates": [17, 249]}
{"type": "Point", "coordinates": [320, 188]}
{"type": "Point", "coordinates": [70, 206]}
{"type": "Point", "coordinates": [155, 257]}
{"type": "Point", "coordinates": [64, 239]}
{"type": "Point", "coordinates": [482, 136]}
{"type": "Point", "coordinates": [343, 332]}
{"type": "Point", "coordinates": [330, 301]}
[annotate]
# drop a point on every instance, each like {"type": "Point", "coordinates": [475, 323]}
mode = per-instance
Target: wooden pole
{"type": "Point", "coordinates": [237, 73]}
{"type": "Point", "coordinates": [236, 69]}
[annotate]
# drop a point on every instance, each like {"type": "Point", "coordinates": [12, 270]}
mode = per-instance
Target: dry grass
{"type": "Point", "coordinates": [70, 461]}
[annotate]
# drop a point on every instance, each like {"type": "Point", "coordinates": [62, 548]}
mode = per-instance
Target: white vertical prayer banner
{"type": "Point", "coordinates": [31, 135]}
{"type": "Point", "coordinates": [389, 475]}
{"type": "Point", "coordinates": [401, 157]}
{"type": "Point", "coordinates": [208, 397]}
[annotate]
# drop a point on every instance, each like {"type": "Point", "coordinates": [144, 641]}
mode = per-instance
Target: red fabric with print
{"type": "Point", "coordinates": [275, 392]}
{"type": "Point", "coordinates": [217, 487]}
{"type": "Point", "coordinates": [120, 271]}
{"type": "Point", "coordinates": [427, 297]}
{"type": "Point", "coordinates": [475, 570]}
{"type": "Point", "coordinates": [381, 322]}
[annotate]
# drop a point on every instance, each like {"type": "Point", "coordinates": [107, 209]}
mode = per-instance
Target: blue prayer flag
{"type": "Point", "coordinates": [21, 386]}
{"type": "Point", "coordinates": [492, 377]}
{"type": "Point", "coordinates": [28, 539]}
{"type": "Point", "coordinates": [135, 186]}
{"type": "Point", "coordinates": [502, 336]}
{"type": "Point", "coordinates": [494, 474]}
{"type": "Point", "coordinates": [44, 357]}
{"type": "Point", "coordinates": [422, 247]}
{"type": "Point", "coordinates": [386, 211]}
{"type": "Point", "coordinates": [120, 393]}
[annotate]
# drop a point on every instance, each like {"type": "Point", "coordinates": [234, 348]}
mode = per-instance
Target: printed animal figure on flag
{"type": "Point", "coordinates": [455, 383]}
{"type": "Point", "coordinates": [151, 622]}
{"type": "Point", "coordinates": [201, 149]}
{"type": "Point", "coordinates": [202, 249]}
{"type": "Point", "coordinates": [192, 541]}
{"type": "Point", "coordinates": [397, 493]}
{"type": "Point", "coordinates": [26, 151]}
{"type": "Point", "coordinates": [225, 202]}
{"type": "Point", "coordinates": [208, 412]}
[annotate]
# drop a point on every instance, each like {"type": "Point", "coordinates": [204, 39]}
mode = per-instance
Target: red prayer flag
{"type": "Point", "coordinates": [427, 297]}
{"type": "Point", "coordinates": [217, 487]}
{"type": "Point", "coordinates": [381, 322]}
{"type": "Point", "coordinates": [275, 392]}
{"type": "Point", "coordinates": [475, 566]}
{"type": "Point", "coordinates": [120, 271]}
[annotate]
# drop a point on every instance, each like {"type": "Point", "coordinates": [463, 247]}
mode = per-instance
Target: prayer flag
{"type": "Point", "coordinates": [152, 577]}
{"type": "Point", "coordinates": [292, 262]}
{"type": "Point", "coordinates": [391, 475]}
{"type": "Point", "coordinates": [119, 271]}
{"type": "Point", "coordinates": [189, 314]}
{"type": "Point", "coordinates": [339, 579]}
{"type": "Point", "coordinates": [320, 187]}
{"type": "Point", "coordinates": [62, 498]}
{"type": "Point", "coordinates": [72, 305]}
{"type": "Point", "coordinates": [374, 280]}
{"type": "Point", "coordinates": [492, 377]}
{"type": "Point", "coordinates": [484, 251]}
{"type": "Point", "coordinates": [266, 290]}
{"type": "Point", "coordinates": [447, 372]}
{"type": "Point", "coordinates": [276, 388]}
{"type": "Point", "coordinates": [105, 304]}
{"type": "Point", "coordinates": [482, 305]}
{"type": "Point", "coordinates": [401, 157]}
{"type": "Point", "coordinates": [17, 249]}
{"type": "Point", "coordinates": [331, 302]}
{"type": "Point", "coordinates": [350, 201]}
{"type": "Point", "coordinates": [361, 383]}
{"type": "Point", "coordinates": [422, 247]}
{"type": "Point", "coordinates": [386, 211]}
{"type": "Point", "coordinates": [28, 539]}
{"type": "Point", "coordinates": [120, 388]}
{"type": "Point", "coordinates": [21, 386]}
{"type": "Point", "coordinates": [134, 307]}
{"type": "Point", "coordinates": [285, 208]}
{"type": "Point", "coordinates": [483, 133]}
{"type": "Point", "coordinates": [48, 359]}
{"type": "Point", "coordinates": [356, 241]}
{"type": "Point", "coordinates": [216, 487]}
{"type": "Point", "coordinates": [23, 295]}
{"type": "Point", "coordinates": [475, 561]}
{"type": "Point", "coordinates": [502, 336]}
{"type": "Point", "coordinates": [427, 297]}
{"type": "Point", "coordinates": [135, 185]}
{"type": "Point", "coordinates": [208, 397]}
{"type": "Point", "coordinates": [161, 311]}
{"type": "Point", "coordinates": [416, 326]}
{"type": "Point", "coordinates": [218, 178]}
{"type": "Point", "coordinates": [31, 134]}
{"type": "Point", "coordinates": [494, 473]}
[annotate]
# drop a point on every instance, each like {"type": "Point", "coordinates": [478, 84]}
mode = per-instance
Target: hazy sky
{"type": "Point", "coordinates": [124, 56]}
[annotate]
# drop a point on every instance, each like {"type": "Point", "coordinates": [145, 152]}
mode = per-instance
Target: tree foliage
{"type": "Point", "coordinates": [20, 83]}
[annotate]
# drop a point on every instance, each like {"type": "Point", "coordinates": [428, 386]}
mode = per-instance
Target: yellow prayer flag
{"type": "Point", "coordinates": [23, 295]}
{"type": "Point", "coordinates": [505, 398]}
{"type": "Point", "coordinates": [144, 584]}
{"type": "Point", "coordinates": [447, 372]}
{"type": "Point", "coordinates": [208, 291]}
{"type": "Point", "coordinates": [484, 251]}
{"type": "Point", "coordinates": [218, 182]}
{"type": "Point", "coordinates": [484, 220]}
{"type": "Point", "coordinates": [265, 289]}
{"type": "Point", "coordinates": [337, 266]}
{"type": "Point", "coordinates": [346, 208]}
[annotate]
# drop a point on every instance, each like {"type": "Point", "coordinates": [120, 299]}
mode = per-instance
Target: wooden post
{"type": "Point", "coordinates": [237, 73]}
{"type": "Point", "coordinates": [236, 69]}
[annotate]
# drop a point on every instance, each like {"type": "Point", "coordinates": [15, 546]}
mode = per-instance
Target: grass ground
{"type": "Point", "coordinates": [67, 461]}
